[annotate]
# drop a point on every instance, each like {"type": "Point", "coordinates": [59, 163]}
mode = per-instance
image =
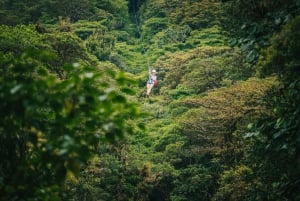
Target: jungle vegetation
{"type": "Point", "coordinates": [223, 124]}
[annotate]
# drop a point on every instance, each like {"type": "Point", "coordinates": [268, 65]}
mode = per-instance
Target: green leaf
{"type": "Point", "coordinates": [128, 90]}
{"type": "Point", "coordinates": [16, 88]}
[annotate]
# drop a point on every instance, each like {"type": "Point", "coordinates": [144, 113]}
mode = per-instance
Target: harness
{"type": "Point", "coordinates": [152, 80]}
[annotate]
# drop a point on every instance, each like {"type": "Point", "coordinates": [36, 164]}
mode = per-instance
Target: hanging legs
{"type": "Point", "coordinates": [149, 88]}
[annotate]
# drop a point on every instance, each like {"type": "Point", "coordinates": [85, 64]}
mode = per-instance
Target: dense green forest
{"type": "Point", "coordinates": [223, 124]}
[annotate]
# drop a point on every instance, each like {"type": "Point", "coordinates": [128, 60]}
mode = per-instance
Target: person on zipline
{"type": "Point", "coordinates": [151, 82]}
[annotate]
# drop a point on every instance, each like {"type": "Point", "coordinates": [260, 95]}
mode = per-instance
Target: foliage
{"type": "Point", "coordinates": [83, 29]}
{"type": "Point", "coordinates": [176, 38]}
{"type": "Point", "coordinates": [135, 61]}
{"type": "Point", "coordinates": [152, 9]}
{"type": "Point", "coordinates": [212, 36]}
{"type": "Point", "coordinates": [254, 22]}
{"type": "Point", "coordinates": [197, 14]}
{"type": "Point", "coordinates": [48, 11]}
{"type": "Point", "coordinates": [193, 183]}
{"type": "Point", "coordinates": [277, 134]}
{"type": "Point", "coordinates": [108, 177]}
{"type": "Point", "coordinates": [17, 12]}
{"type": "Point", "coordinates": [200, 69]}
{"type": "Point", "coordinates": [15, 40]}
{"type": "Point", "coordinates": [67, 46]}
{"type": "Point", "coordinates": [118, 9]}
{"type": "Point", "coordinates": [49, 127]}
{"type": "Point", "coordinates": [173, 34]}
{"type": "Point", "coordinates": [76, 9]}
{"type": "Point", "coordinates": [216, 117]}
{"type": "Point", "coordinates": [235, 185]}
{"type": "Point", "coordinates": [281, 58]}
{"type": "Point", "coordinates": [100, 44]}
{"type": "Point", "coordinates": [214, 131]}
{"type": "Point", "coordinates": [134, 5]}
{"type": "Point", "coordinates": [213, 126]}
{"type": "Point", "coordinates": [153, 26]}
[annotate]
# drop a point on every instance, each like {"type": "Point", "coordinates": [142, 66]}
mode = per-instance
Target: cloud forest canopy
{"type": "Point", "coordinates": [222, 124]}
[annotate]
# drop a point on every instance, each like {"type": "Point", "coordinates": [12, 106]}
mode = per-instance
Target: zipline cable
{"type": "Point", "coordinates": [141, 36]}
{"type": "Point", "coordinates": [152, 77]}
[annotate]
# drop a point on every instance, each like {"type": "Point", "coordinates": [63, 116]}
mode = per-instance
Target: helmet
{"type": "Point", "coordinates": [153, 71]}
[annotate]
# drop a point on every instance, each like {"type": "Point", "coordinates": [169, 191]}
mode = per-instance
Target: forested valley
{"type": "Point", "coordinates": [223, 123]}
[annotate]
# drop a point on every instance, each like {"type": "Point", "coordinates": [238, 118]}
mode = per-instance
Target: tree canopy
{"type": "Point", "coordinates": [222, 124]}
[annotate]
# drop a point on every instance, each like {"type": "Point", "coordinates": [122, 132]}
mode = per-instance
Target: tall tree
{"type": "Point", "coordinates": [49, 128]}
{"type": "Point", "coordinates": [278, 133]}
